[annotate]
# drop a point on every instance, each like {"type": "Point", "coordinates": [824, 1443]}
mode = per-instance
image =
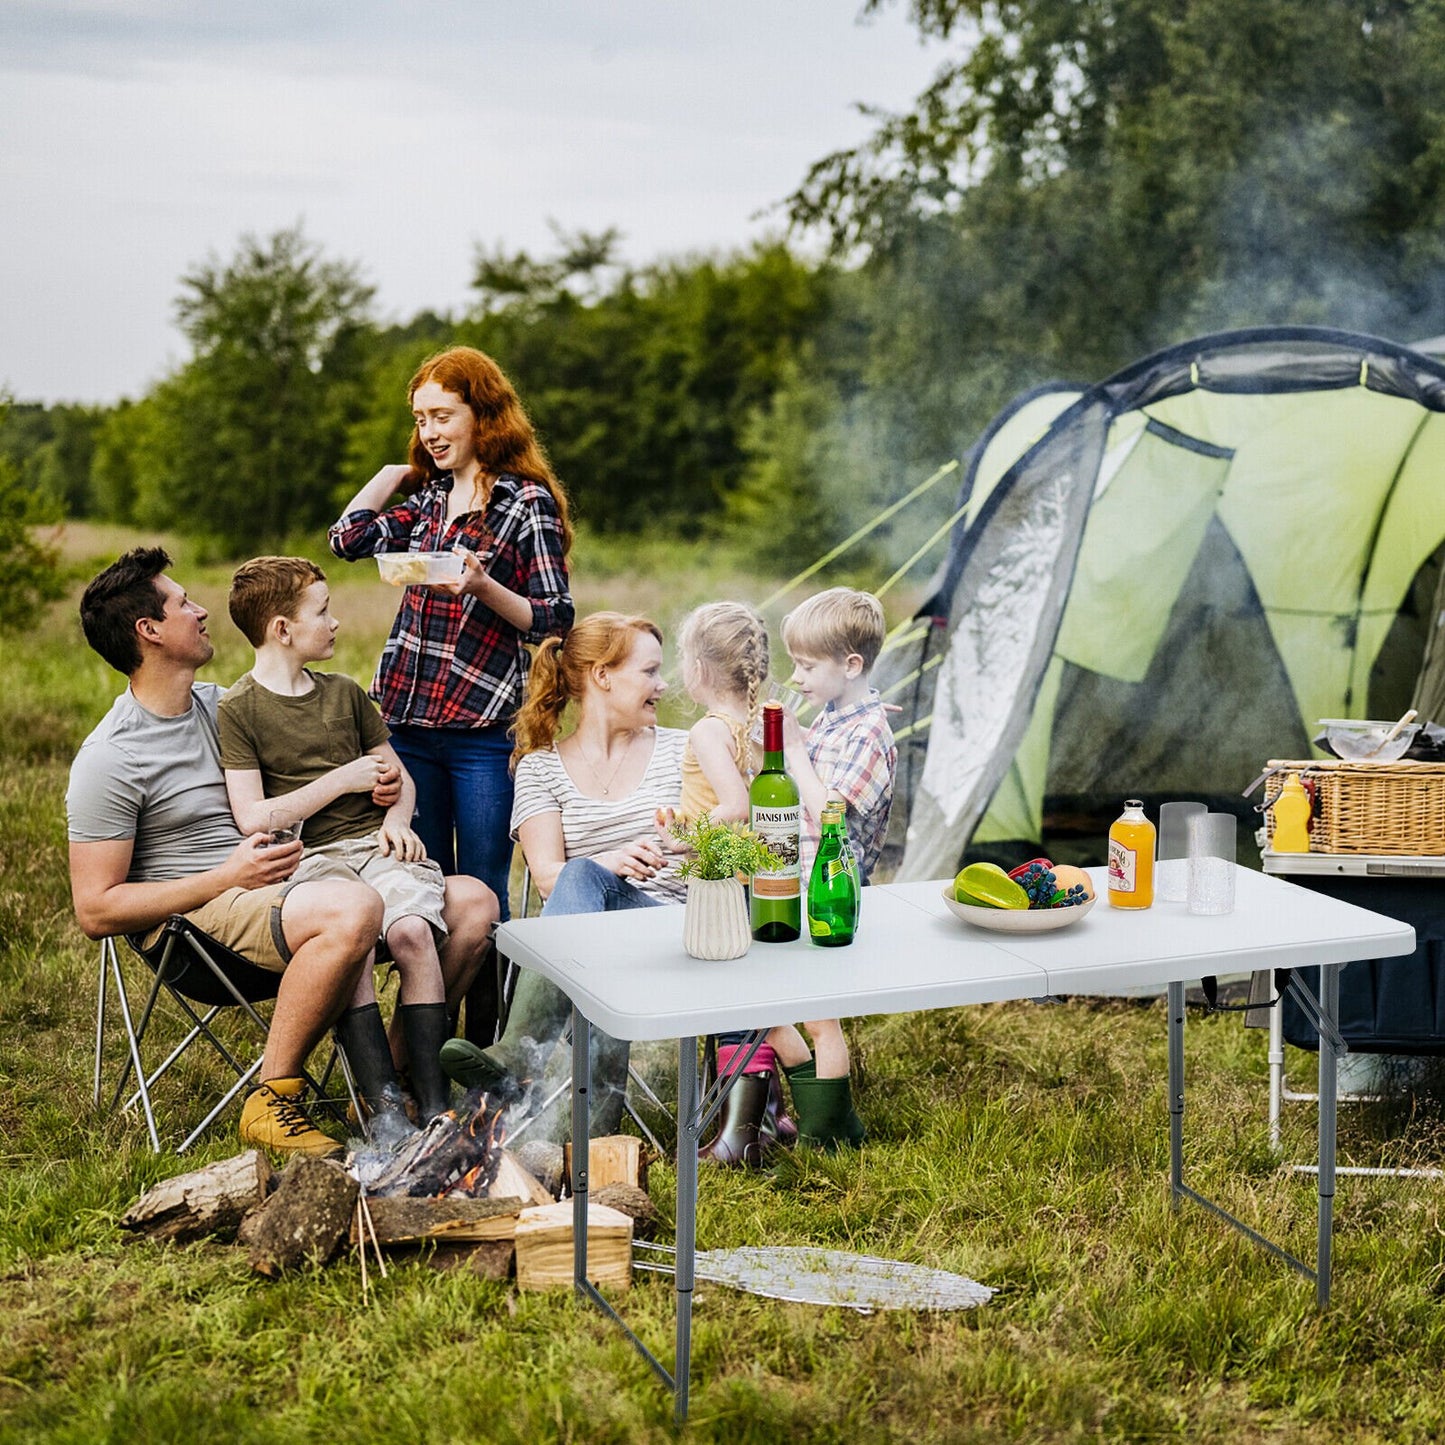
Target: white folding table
{"type": "Point", "coordinates": [628, 973]}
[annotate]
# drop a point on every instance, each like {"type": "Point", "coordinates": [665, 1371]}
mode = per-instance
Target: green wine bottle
{"type": "Point", "coordinates": [833, 887]}
{"type": "Point", "coordinates": [774, 815]}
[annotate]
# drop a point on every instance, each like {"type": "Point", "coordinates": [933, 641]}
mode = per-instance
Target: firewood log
{"type": "Point", "coordinates": [212, 1200]}
{"type": "Point", "coordinates": [399, 1220]}
{"type": "Point", "coordinates": [306, 1220]}
{"type": "Point", "coordinates": [513, 1181]}
{"type": "Point", "coordinates": [544, 1247]}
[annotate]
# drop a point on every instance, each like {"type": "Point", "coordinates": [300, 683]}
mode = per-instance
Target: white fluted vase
{"type": "Point", "coordinates": [715, 919]}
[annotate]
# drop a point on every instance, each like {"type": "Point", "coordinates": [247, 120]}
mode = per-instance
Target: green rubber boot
{"type": "Point", "coordinates": [826, 1117]}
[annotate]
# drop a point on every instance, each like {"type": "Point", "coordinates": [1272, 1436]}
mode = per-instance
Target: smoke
{"type": "Point", "coordinates": [1307, 232]}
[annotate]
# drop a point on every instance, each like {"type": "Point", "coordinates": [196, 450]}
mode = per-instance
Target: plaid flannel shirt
{"type": "Point", "coordinates": [451, 662]}
{"type": "Point", "coordinates": [854, 755]}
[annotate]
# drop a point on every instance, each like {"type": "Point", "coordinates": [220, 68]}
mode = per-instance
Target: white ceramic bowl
{"type": "Point", "coordinates": [412, 569]}
{"type": "Point", "coordinates": [1016, 920]}
{"type": "Point", "coordinates": [1356, 739]}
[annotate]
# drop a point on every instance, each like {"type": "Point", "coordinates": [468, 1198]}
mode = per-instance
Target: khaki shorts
{"type": "Point", "coordinates": [246, 920]}
{"type": "Point", "coordinates": [408, 890]}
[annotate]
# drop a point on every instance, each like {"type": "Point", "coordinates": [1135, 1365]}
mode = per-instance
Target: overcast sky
{"type": "Point", "coordinates": [138, 137]}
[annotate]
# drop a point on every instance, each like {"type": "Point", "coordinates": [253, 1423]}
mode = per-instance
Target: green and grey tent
{"type": "Point", "coordinates": [1166, 578]}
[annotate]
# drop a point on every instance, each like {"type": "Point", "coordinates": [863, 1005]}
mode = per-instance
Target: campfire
{"type": "Point", "coordinates": [452, 1194]}
{"type": "Point", "coordinates": [458, 1154]}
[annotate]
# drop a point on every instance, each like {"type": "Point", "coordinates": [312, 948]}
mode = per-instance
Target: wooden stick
{"type": "Point", "coordinates": [360, 1229]}
{"type": "Point", "coordinates": [371, 1229]}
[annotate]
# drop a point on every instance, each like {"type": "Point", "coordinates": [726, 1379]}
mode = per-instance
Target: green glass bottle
{"type": "Point", "coordinates": [851, 858]}
{"type": "Point", "coordinates": [833, 887]}
{"type": "Point", "coordinates": [776, 899]}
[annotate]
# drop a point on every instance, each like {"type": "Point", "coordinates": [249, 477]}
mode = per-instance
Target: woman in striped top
{"type": "Point", "coordinates": [585, 812]}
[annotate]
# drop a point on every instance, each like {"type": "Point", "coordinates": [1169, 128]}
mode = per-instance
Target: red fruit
{"type": "Point", "coordinates": [1017, 873]}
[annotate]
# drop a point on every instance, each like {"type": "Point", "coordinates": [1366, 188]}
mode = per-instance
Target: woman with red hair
{"type": "Point", "coordinates": [454, 669]}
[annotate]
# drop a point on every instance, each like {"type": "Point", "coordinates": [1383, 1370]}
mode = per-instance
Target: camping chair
{"type": "Point", "coordinates": [202, 979]}
{"type": "Point", "coordinates": [1280, 1094]}
{"type": "Point", "coordinates": [506, 987]}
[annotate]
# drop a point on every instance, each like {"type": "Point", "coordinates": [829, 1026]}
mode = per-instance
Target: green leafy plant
{"type": "Point", "coordinates": [722, 850]}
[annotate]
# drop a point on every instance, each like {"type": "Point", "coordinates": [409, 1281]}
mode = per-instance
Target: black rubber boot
{"type": "Point", "coordinates": [483, 1003]}
{"type": "Point", "coordinates": [737, 1141]}
{"type": "Point", "coordinates": [426, 1028]}
{"type": "Point", "coordinates": [361, 1037]}
{"type": "Point", "coordinates": [826, 1117]}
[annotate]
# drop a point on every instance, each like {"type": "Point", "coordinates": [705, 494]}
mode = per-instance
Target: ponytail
{"type": "Point", "coordinates": [546, 699]}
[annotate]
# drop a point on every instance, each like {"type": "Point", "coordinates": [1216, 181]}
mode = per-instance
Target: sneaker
{"type": "Point", "coordinates": [274, 1119]}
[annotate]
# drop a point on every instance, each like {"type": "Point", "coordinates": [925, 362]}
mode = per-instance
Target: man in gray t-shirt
{"type": "Point", "coordinates": [151, 834]}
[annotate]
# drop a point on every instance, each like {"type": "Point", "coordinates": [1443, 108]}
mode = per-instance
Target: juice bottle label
{"type": "Point", "coordinates": [1122, 867]}
{"type": "Point", "coordinates": [778, 828]}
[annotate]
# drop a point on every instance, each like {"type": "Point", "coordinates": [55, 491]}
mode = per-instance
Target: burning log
{"type": "Point", "coordinates": [455, 1154]}
{"type": "Point", "coordinates": [213, 1200]}
{"type": "Point", "coordinates": [542, 1159]}
{"type": "Point", "coordinates": [544, 1247]}
{"type": "Point", "coordinates": [305, 1220]}
{"type": "Point", "coordinates": [511, 1178]}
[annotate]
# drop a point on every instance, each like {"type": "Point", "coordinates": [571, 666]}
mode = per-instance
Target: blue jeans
{"type": "Point", "coordinates": [463, 799]}
{"type": "Point", "coordinates": [540, 1010]}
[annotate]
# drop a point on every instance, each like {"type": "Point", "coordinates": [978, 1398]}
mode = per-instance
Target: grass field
{"type": "Point", "coordinates": [1025, 1146]}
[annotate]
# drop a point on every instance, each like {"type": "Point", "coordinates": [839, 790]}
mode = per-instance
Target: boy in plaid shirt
{"type": "Point", "coordinates": [834, 639]}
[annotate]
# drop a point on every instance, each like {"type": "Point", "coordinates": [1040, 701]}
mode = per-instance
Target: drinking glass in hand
{"type": "Point", "coordinates": [283, 826]}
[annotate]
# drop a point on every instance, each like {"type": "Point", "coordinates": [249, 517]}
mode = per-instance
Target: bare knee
{"type": "Point", "coordinates": [471, 910]}
{"type": "Point", "coordinates": [410, 941]}
{"type": "Point", "coordinates": [347, 915]}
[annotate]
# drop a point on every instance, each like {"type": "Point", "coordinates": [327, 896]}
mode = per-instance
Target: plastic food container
{"type": "Point", "coordinates": [412, 569]}
{"type": "Point", "coordinates": [1355, 739]}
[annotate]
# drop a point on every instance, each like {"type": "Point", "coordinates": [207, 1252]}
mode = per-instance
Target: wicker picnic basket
{"type": "Point", "coordinates": [1384, 808]}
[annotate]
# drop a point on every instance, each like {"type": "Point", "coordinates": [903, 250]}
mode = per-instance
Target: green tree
{"type": "Point", "coordinates": [29, 568]}
{"type": "Point", "coordinates": [1118, 171]}
{"type": "Point", "coordinates": [245, 442]}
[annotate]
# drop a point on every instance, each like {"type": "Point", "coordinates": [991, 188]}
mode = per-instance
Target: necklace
{"type": "Point", "coordinates": [596, 775]}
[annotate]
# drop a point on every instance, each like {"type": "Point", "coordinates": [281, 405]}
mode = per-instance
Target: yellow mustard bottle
{"type": "Point", "coordinates": [1131, 858]}
{"type": "Point", "coordinates": [1291, 814]}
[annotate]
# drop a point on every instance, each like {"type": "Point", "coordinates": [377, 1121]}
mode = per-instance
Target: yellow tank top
{"type": "Point", "coordinates": [698, 795]}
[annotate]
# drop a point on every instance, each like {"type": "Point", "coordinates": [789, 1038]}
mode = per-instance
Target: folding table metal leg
{"type": "Point", "coordinates": [581, 1150]}
{"type": "Point", "coordinates": [1178, 1189]}
{"type": "Point", "coordinates": [1329, 1099]}
{"type": "Point", "coordinates": [688, 1138]}
{"type": "Point", "coordinates": [581, 1141]}
{"type": "Point", "coordinates": [1176, 1093]}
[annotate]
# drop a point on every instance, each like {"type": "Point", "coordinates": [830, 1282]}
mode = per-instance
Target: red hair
{"type": "Point", "coordinates": [504, 439]}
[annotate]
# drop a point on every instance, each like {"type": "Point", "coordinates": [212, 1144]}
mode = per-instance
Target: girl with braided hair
{"type": "Point", "coordinates": [723, 648]}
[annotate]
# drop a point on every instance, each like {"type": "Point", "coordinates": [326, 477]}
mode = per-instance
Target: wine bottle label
{"type": "Point", "coordinates": [1122, 863]}
{"type": "Point", "coordinates": [778, 828]}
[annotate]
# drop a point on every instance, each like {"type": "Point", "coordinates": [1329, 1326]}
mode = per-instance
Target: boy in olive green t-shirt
{"type": "Point", "coordinates": [299, 746]}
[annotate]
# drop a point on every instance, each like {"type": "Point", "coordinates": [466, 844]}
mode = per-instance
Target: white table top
{"type": "Point", "coordinates": [629, 973]}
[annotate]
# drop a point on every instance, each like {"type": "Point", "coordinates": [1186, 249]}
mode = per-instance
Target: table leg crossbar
{"type": "Point", "coordinates": [1325, 1011]}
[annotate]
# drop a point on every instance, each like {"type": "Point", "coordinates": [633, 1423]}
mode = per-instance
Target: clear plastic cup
{"type": "Point", "coordinates": [1211, 862]}
{"type": "Point", "coordinates": [1171, 875]}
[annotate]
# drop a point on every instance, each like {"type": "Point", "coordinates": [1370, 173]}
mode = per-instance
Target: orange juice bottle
{"type": "Point", "coordinates": [1131, 858]}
